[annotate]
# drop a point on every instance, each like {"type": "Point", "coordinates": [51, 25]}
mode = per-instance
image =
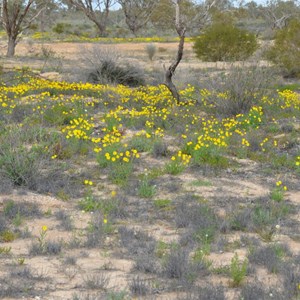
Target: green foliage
{"type": "Point", "coordinates": [277, 194]}
{"type": "Point", "coordinates": [174, 168]}
{"type": "Point", "coordinates": [238, 270]}
{"type": "Point", "coordinates": [62, 28]}
{"type": "Point", "coordinates": [225, 42]}
{"type": "Point", "coordinates": [20, 164]}
{"type": "Point", "coordinates": [201, 183]}
{"type": "Point", "coordinates": [210, 156]}
{"type": "Point", "coordinates": [286, 49]}
{"type": "Point", "coordinates": [120, 173]}
{"type": "Point", "coordinates": [89, 203]}
{"type": "Point", "coordinates": [141, 143]}
{"type": "Point", "coordinates": [5, 250]}
{"type": "Point", "coordinates": [117, 295]}
{"type": "Point", "coordinates": [162, 203]}
{"type": "Point", "coordinates": [7, 236]}
{"type": "Point", "coordinates": [145, 189]}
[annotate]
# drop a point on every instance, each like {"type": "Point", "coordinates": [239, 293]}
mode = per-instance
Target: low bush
{"type": "Point", "coordinates": [238, 90]}
{"type": "Point", "coordinates": [225, 42]}
{"type": "Point", "coordinates": [104, 67]}
{"type": "Point", "coordinates": [151, 50]}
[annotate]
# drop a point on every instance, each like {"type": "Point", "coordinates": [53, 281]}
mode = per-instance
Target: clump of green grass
{"type": "Point", "coordinates": [162, 203]}
{"type": "Point", "coordinates": [141, 143]}
{"type": "Point", "coordinates": [174, 168]}
{"type": "Point", "coordinates": [7, 236]}
{"type": "Point", "coordinates": [238, 270]}
{"type": "Point", "coordinates": [146, 189]}
{"type": "Point", "coordinates": [201, 183]}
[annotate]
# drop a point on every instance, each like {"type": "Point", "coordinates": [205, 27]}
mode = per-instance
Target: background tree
{"type": "Point", "coordinates": [15, 18]}
{"type": "Point", "coordinates": [96, 10]}
{"type": "Point", "coordinates": [47, 8]}
{"type": "Point", "coordinates": [277, 12]}
{"type": "Point", "coordinates": [137, 13]}
{"type": "Point", "coordinates": [163, 14]}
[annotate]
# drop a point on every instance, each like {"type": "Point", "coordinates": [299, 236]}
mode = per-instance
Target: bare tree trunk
{"type": "Point", "coordinates": [101, 26]}
{"type": "Point", "coordinates": [171, 70]}
{"type": "Point", "coordinates": [180, 28]}
{"type": "Point", "coordinates": [11, 46]}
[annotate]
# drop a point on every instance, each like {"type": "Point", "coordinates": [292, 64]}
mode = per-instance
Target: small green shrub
{"type": "Point", "coordinates": [141, 143]}
{"type": "Point", "coordinates": [238, 270]}
{"type": "Point", "coordinates": [145, 189]}
{"type": "Point", "coordinates": [210, 156]}
{"type": "Point", "coordinates": [117, 295]}
{"type": "Point", "coordinates": [225, 42]}
{"type": "Point", "coordinates": [286, 49]}
{"type": "Point", "coordinates": [277, 194]}
{"type": "Point", "coordinates": [20, 164]}
{"type": "Point", "coordinates": [162, 203]}
{"type": "Point", "coordinates": [62, 28]}
{"type": "Point", "coordinates": [120, 173]}
{"type": "Point", "coordinates": [174, 168]}
{"type": "Point", "coordinates": [7, 236]}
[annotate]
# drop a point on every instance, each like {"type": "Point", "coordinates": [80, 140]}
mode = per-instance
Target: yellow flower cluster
{"type": "Point", "coordinates": [126, 156]}
{"type": "Point", "coordinates": [245, 142]}
{"type": "Point", "coordinates": [123, 111]}
{"type": "Point", "coordinates": [182, 158]}
{"type": "Point", "coordinates": [279, 184]}
{"type": "Point", "coordinates": [290, 99]}
{"type": "Point", "coordinates": [263, 143]}
{"type": "Point", "coordinates": [113, 40]}
{"type": "Point", "coordinates": [79, 129]}
{"type": "Point", "coordinates": [88, 182]}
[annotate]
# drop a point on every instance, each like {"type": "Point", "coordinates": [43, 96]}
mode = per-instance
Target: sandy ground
{"type": "Point", "coordinates": [73, 54]}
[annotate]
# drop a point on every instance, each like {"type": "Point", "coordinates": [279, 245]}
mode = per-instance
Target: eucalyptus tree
{"type": "Point", "coordinates": [15, 17]}
{"type": "Point", "coordinates": [46, 18]}
{"type": "Point", "coordinates": [96, 10]}
{"type": "Point", "coordinates": [278, 12]}
{"type": "Point", "coordinates": [137, 13]}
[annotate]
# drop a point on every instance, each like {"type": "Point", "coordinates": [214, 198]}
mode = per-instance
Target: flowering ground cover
{"type": "Point", "coordinates": [111, 192]}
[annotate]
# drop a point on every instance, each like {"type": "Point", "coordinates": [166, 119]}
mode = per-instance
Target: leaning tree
{"type": "Point", "coordinates": [181, 25]}
{"type": "Point", "coordinates": [15, 17]}
{"type": "Point", "coordinates": [96, 10]}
